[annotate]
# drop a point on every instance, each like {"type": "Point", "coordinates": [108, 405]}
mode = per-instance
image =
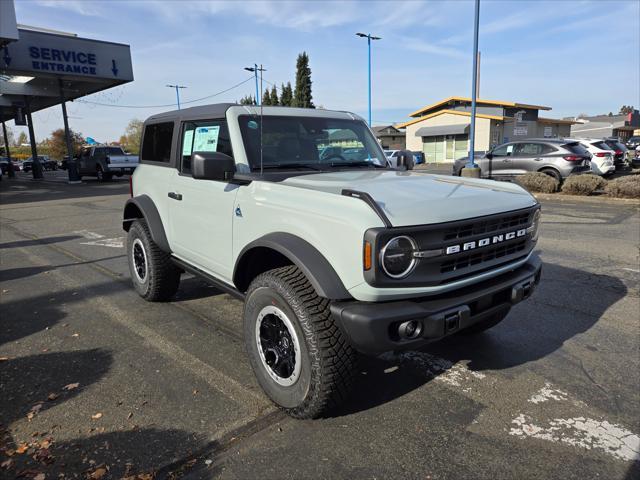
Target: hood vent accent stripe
{"type": "Point", "coordinates": [368, 199]}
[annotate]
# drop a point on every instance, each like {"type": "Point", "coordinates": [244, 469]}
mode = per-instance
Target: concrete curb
{"type": "Point", "coordinates": [586, 199]}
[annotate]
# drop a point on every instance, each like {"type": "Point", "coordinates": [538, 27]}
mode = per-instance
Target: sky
{"type": "Point", "coordinates": [574, 56]}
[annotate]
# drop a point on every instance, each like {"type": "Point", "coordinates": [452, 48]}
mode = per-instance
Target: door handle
{"type": "Point", "coordinates": [537, 159]}
{"type": "Point", "coordinates": [174, 195]}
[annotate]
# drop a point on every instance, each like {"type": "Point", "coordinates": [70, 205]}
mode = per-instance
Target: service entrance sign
{"type": "Point", "coordinates": [41, 53]}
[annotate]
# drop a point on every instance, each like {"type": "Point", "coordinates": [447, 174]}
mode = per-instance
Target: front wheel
{"type": "Point", "coordinates": [300, 357]}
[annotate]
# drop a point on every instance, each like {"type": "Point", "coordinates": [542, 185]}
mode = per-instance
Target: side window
{"type": "Point", "coordinates": [503, 151]}
{"type": "Point", "coordinates": [528, 149]}
{"type": "Point", "coordinates": [98, 153]}
{"type": "Point", "coordinates": [156, 146]}
{"type": "Point", "coordinates": [203, 136]}
{"type": "Point", "coordinates": [548, 149]}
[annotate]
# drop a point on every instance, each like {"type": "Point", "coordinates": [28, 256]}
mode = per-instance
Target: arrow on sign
{"type": "Point", "coordinates": [114, 69]}
{"type": "Point", "coordinates": [7, 57]}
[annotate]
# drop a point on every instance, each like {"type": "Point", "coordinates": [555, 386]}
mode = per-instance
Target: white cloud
{"type": "Point", "coordinates": [81, 7]}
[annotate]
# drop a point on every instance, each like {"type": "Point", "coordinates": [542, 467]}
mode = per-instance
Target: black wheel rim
{"type": "Point", "coordinates": [278, 345]}
{"type": "Point", "coordinates": [139, 261]}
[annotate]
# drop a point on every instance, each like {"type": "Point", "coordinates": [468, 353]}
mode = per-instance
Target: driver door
{"type": "Point", "coordinates": [501, 161]}
{"type": "Point", "coordinates": [202, 211]}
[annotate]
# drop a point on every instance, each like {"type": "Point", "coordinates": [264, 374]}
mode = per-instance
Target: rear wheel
{"type": "Point", "coordinates": [153, 274]}
{"type": "Point", "coordinates": [300, 357]}
{"type": "Point", "coordinates": [102, 176]}
{"type": "Point", "coordinates": [552, 173]}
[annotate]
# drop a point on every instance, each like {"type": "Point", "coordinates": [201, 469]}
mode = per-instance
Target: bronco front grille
{"type": "Point", "coordinates": [467, 261]}
{"type": "Point", "coordinates": [486, 226]}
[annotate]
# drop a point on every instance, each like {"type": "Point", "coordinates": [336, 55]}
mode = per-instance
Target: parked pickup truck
{"type": "Point", "coordinates": [104, 162]}
{"type": "Point", "coordinates": [332, 256]}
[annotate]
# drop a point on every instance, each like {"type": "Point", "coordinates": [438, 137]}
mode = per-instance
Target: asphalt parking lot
{"type": "Point", "coordinates": [97, 383]}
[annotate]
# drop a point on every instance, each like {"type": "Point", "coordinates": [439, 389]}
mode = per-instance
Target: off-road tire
{"type": "Point", "coordinates": [485, 324]}
{"type": "Point", "coordinates": [328, 361]}
{"type": "Point", "coordinates": [162, 278]}
{"type": "Point", "coordinates": [102, 176]}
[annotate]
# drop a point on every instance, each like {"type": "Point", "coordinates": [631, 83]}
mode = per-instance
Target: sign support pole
{"type": "Point", "coordinates": [36, 167]}
{"type": "Point", "coordinates": [10, 171]}
{"type": "Point", "coordinates": [72, 164]}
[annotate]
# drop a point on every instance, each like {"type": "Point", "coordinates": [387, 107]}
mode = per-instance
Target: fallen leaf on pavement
{"type": "Point", "coordinates": [75, 335]}
{"type": "Point", "coordinates": [6, 464]}
{"type": "Point", "coordinates": [71, 386]}
{"type": "Point", "coordinates": [22, 448]}
{"type": "Point", "coordinates": [98, 473]}
{"type": "Point", "coordinates": [130, 415]}
{"type": "Point", "coordinates": [96, 416]}
{"type": "Point", "coordinates": [40, 476]}
{"type": "Point", "coordinates": [52, 396]}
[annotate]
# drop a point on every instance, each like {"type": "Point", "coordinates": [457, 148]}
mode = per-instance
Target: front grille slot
{"type": "Point", "coordinates": [466, 261]}
{"type": "Point", "coordinates": [486, 226]}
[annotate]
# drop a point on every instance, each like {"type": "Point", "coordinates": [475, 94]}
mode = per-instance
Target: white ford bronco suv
{"type": "Point", "coordinates": [295, 212]}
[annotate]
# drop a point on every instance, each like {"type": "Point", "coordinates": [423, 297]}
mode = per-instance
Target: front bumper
{"type": "Point", "coordinates": [372, 328]}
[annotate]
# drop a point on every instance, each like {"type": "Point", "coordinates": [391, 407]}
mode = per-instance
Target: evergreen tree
{"type": "Point", "coordinates": [247, 100]}
{"type": "Point", "coordinates": [286, 95]}
{"type": "Point", "coordinates": [302, 95]}
{"type": "Point", "coordinates": [266, 98]}
{"type": "Point", "coordinates": [274, 96]}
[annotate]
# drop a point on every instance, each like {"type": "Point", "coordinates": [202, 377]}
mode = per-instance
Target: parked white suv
{"type": "Point", "coordinates": [331, 255]}
{"type": "Point", "coordinates": [602, 155]}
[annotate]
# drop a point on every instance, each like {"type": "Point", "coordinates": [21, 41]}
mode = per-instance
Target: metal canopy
{"type": "Point", "coordinates": [41, 68]}
{"type": "Point", "coordinates": [455, 129]}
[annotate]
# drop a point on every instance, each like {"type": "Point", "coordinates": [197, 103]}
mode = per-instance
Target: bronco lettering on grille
{"type": "Point", "coordinates": [503, 237]}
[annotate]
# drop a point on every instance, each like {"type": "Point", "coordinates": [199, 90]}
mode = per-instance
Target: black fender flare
{"type": "Point", "coordinates": [305, 256]}
{"type": "Point", "coordinates": [142, 206]}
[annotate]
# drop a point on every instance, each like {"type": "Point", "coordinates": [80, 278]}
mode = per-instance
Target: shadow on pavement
{"type": "Point", "coordinates": [39, 241]}
{"type": "Point", "coordinates": [567, 303]}
{"type": "Point", "coordinates": [28, 381]}
{"type": "Point", "coordinates": [22, 272]}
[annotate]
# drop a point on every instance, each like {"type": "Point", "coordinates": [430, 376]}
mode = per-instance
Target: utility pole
{"type": "Point", "coordinates": [472, 169]}
{"type": "Point", "coordinates": [255, 69]}
{"type": "Point", "coordinates": [72, 163]}
{"type": "Point", "coordinates": [177, 87]}
{"type": "Point", "coordinates": [10, 171]}
{"type": "Point", "coordinates": [369, 37]}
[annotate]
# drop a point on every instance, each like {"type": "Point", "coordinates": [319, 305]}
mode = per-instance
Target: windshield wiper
{"type": "Point", "coordinates": [284, 166]}
{"type": "Point", "coordinates": [361, 163]}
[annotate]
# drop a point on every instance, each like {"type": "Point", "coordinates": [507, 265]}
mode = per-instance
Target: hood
{"type": "Point", "coordinates": [413, 198]}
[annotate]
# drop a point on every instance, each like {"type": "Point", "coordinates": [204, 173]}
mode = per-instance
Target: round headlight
{"type": "Point", "coordinates": [396, 257]}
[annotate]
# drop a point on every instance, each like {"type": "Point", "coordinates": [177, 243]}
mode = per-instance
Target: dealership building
{"type": "Point", "coordinates": [441, 130]}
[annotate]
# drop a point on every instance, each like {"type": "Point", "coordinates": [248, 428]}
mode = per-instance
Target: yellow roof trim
{"type": "Point", "coordinates": [556, 120]}
{"type": "Point", "coordinates": [481, 101]}
{"type": "Point", "coordinates": [452, 112]}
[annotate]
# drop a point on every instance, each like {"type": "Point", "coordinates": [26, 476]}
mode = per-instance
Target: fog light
{"type": "Point", "coordinates": [409, 330]}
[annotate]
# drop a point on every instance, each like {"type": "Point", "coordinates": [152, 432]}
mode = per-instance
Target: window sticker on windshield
{"type": "Point", "coordinates": [187, 141]}
{"type": "Point", "coordinates": [252, 124]}
{"type": "Point", "coordinates": [509, 149]}
{"type": "Point", "coordinates": [206, 139]}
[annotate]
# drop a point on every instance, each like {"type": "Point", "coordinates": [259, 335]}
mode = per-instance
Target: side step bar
{"type": "Point", "coordinates": [208, 278]}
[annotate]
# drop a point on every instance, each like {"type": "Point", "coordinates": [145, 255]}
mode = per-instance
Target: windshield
{"type": "Point", "coordinates": [309, 142]}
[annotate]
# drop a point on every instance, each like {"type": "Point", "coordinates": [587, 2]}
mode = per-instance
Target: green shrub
{"type": "Point", "coordinates": [624, 187]}
{"type": "Point", "coordinates": [583, 184]}
{"type": "Point", "coordinates": [538, 182]}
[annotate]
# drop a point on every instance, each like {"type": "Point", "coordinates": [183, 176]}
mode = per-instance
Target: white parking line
{"type": "Point", "coordinates": [631, 270]}
{"type": "Point", "coordinates": [117, 242]}
{"type": "Point", "coordinates": [88, 235]}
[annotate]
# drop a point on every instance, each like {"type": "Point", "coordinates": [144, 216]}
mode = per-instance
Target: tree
{"type": "Point", "coordinates": [22, 139]}
{"type": "Point", "coordinates": [247, 100]}
{"type": "Point", "coordinates": [286, 95]}
{"type": "Point", "coordinates": [274, 96]}
{"type": "Point", "coordinates": [10, 137]}
{"type": "Point", "coordinates": [130, 141]}
{"type": "Point", "coordinates": [626, 109]}
{"type": "Point", "coordinates": [57, 144]}
{"type": "Point", "coordinates": [266, 98]}
{"type": "Point", "coordinates": [302, 96]}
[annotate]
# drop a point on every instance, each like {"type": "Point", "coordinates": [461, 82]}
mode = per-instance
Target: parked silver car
{"type": "Point", "coordinates": [556, 157]}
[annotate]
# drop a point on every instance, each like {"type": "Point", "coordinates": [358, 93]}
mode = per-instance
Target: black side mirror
{"type": "Point", "coordinates": [212, 166]}
{"type": "Point", "coordinates": [488, 155]}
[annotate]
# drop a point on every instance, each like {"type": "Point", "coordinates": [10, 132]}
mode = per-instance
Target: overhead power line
{"type": "Point", "coordinates": [167, 104]}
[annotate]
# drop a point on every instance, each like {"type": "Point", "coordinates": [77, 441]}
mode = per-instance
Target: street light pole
{"type": "Point", "coordinates": [471, 166]}
{"type": "Point", "coordinates": [177, 87]}
{"type": "Point", "coordinates": [255, 71]}
{"type": "Point", "coordinates": [369, 37]}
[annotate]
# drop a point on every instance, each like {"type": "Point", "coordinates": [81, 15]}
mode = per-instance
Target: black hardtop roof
{"type": "Point", "coordinates": [211, 111]}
